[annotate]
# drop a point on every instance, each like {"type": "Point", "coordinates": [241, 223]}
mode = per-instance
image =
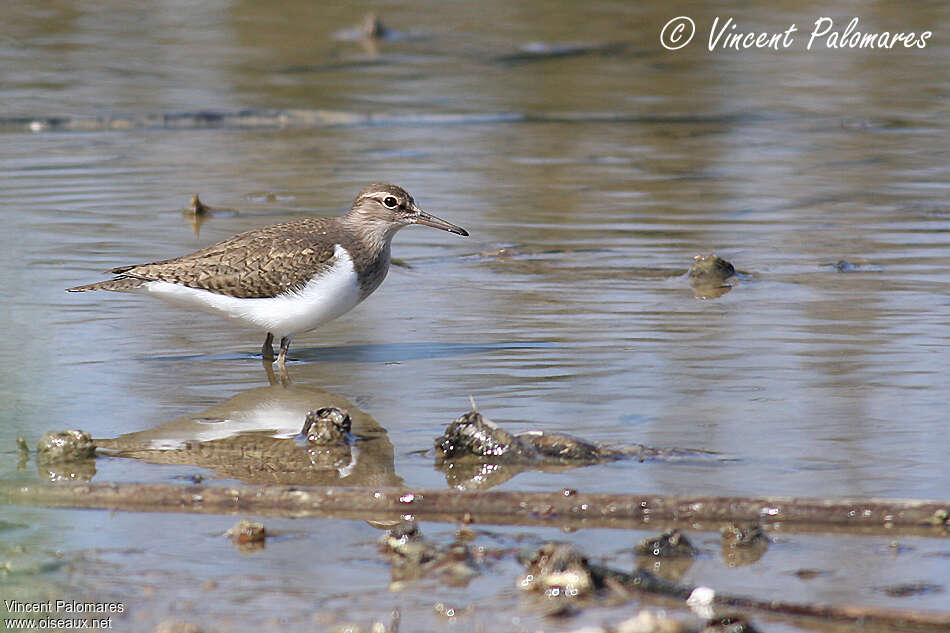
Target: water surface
{"type": "Point", "coordinates": [600, 175]}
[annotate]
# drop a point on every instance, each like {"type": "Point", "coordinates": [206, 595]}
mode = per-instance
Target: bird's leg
{"type": "Point", "coordinates": [267, 350]}
{"type": "Point", "coordinates": [284, 346]}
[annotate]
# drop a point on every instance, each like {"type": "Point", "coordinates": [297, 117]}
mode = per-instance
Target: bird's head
{"type": "Point", "coordinates": [385, 209]}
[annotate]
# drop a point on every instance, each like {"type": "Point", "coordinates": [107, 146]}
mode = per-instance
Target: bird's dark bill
{"type": "Point", "coordinates": [438, 223]}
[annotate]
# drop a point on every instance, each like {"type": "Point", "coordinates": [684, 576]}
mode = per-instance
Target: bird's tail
{"type": "Point", "coordinates": [120, 284]}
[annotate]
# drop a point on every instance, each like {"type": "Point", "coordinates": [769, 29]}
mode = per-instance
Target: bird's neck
{"type": "Point", "coordinates": [374, 234]}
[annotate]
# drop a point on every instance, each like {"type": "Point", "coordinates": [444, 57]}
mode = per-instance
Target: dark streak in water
{"type": "Point", "coordinates": [539, 51]}
{"type": "Point", "coordinates": [304, 119]}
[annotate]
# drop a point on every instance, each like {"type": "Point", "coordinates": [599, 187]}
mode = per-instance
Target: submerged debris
{"type": "Point", "coordinates": [414, 557]}
{"type": "Point", "coordinates": [557, 570]}
{"type": "Point", "coordinates": [23, 451]}
{"type": "Point", "coordinates": [371, 29]}
{"type": "Point", "coordinates": [198, 212]}
{"type": "Point", "coordinates": [849, 266]}
{"type": "Point", "coordinates": [670, 544]}
{"type": "Point", "coordinates": [744, 535]}
{"type": "Point", "coordinates": [538, 51]}
{"type": "Point", "coordinates": [743, 544]}
{"type": "Point", "coordinates": [669, 555]}
{"type": "Point", "coordinates": [196, 207]}
{"type": "Point", "coordinates": [904, 590]}
{"type": "Point", "coordinates": [560, 571]}
{"type": "Point", "coordinates": [940, 517]}
{"type": "Point", "coordinates": [372, 26]}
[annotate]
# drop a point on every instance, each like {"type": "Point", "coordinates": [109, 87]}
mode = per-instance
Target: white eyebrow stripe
{"type": "Point", "coordinates": [382, 195]}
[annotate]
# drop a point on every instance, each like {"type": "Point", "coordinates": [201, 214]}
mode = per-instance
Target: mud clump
{"type": "Point", "coordinates": [710, 270]}
{"type": "Point", "coordinates": [65, 446]}
{"type": "Point", "coordinates": [328, 426]}
{"type": "Point", "coordinates": [708, 276]}
{"type": "Point", "coordinates": [247, 533]}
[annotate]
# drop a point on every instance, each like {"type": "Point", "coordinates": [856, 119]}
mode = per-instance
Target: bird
{"type": "Point", "coordinates": [287, 278]}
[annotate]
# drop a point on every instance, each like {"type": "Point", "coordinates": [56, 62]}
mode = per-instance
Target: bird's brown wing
{"type": "Point", "coordinates": [260, 263]}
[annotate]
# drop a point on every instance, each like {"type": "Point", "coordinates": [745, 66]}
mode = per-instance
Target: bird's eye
{"type": "Point", "coordinates": [390, 202]}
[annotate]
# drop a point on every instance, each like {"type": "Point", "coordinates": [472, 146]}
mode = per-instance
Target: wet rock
{"type": "Point", "coordinates": [328, 426]}
{"type": "Point", "coordinates": [65, 446]}
{"type": "Point", "coordinates": [475, 452]}
{"type": "Point", "coordinates": [247, 533]}
{"type": "Point", "coordinates": [710, 270]}
{"type": "Point", "coordinates": [472, 435]}
{"type": "Point", "coordinates": [414, 557]}
{"type": "Point", "coordinates": [708, 276]}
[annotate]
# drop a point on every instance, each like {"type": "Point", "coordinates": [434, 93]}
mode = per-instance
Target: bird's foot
{"type": "Point", "coordinates": [284, 347]}
{"type": "Point", "coordinates": [267, 349]}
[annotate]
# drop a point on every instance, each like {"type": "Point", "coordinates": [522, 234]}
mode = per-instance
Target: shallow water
{"type": "Point", "coordinates": [602, 175]}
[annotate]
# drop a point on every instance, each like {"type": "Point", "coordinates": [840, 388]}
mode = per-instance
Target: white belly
{"type": "Point", "coordinates": [323, 299]}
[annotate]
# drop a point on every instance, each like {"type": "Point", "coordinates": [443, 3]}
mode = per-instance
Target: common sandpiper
{"type": "Point", "coordinates": [287, 278]}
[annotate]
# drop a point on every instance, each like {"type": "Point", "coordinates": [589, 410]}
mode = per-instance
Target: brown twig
{"type": "Point", "coordinates": [566, 508]}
